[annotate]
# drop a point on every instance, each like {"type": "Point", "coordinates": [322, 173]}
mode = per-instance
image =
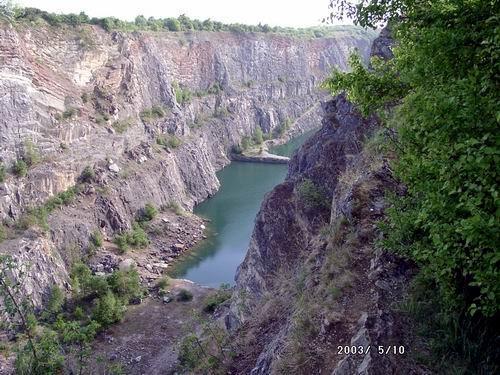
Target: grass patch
{"type": "Point", "coordinates": [170, 141]}
{"type": "Point", "coordinates": [136, 238]}
{"type": "Point", "coordinates": [153, 113]}
{"type": "Point", "coordinates": [121, 126]}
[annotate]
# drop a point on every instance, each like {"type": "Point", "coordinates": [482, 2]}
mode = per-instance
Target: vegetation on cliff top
{"type": "Point", "coordinates": [442, 88]}
{"type": "Point", "coordinates": [181, 23]}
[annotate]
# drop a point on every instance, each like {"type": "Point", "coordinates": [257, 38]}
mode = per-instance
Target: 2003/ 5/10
{"type": "Point", "coordinates": [381, 349]}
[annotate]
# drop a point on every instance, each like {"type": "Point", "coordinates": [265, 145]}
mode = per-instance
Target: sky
{"type": "Point", "coordinates": [296, 13]}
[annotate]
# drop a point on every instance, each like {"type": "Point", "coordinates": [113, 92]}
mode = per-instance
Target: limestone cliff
{"type": "Point", "coordinates": [313, 281]}
{"type": "Point", "coordinates": [83, 97]}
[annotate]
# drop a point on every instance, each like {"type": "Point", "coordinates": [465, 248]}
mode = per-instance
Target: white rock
{"type": "Point", "coordinates": [114, 168]}
{"type": "Point", "coordinates": [142, 159]}
{"type": "Point", "coordinates": [202, 227]}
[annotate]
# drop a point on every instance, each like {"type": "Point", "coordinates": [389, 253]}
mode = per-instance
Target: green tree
{"type": "Point", "coordinates": [172, 24]}
{"type": "Point", "coordinates": [140, 21]}
{"type": "Point", "coordinates": [258, 136]}
{"type": "Point", "coordinates": [440, 92]}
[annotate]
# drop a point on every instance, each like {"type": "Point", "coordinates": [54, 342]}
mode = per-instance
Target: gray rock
{"type": "Point", "coordinates": [114, 168]}
{"type": "Point", "coordinates": [126, 264]}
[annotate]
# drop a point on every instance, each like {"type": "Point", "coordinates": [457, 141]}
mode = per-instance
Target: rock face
{"type": "Point", "coordinates": [284, 227]}
{"type": "Point", "coordinates": [80, 97]}
{"type": "Point", "coordinates": [313, 281]}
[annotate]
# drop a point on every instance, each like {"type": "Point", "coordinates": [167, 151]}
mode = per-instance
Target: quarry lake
{"type": "Point", "coordinates": [232, 212]}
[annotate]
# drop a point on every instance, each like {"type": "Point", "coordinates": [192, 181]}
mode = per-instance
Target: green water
{"type": "Point", "coordinates": [232, 213]}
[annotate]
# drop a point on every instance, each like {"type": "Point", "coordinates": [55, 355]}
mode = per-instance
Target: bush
{"type": "Point", "coordinates": [162, 283]}
{"type": "Point", "coordinates": [148, 213]}
{"type": "Point", "coordinates": [69, 113]}
{"type": "Point", "coordinates": [121, 240]}
{"type": "Point", "coordinates": [108, 310]}
{"type": "Point", "coordinates": [88, 174]}
{"type": "Point", "coordinates": [20, 168]}
{"type": "Point", "coordinates": [126, 285]}
{"type": "Point", "coordinates": [257, 136]}
{"type": "Point", "coordinates": [213, 301]}
{"type": "Point", "coordinates": [282, 128]}
{"type": "Point", "coordinates": [136, 238]}
{"type": "Point", "coordinates": [121, 126]}
{"type": "Point", "coordinates": [184, 295]}
{"type": "Point", "coordinates": [3, 173]}
{"type": "Point", "coordinates": [56, 301]}
{"type": "Point", "coordinates": [84, 284]}
{"type": "Point", "coordinates": [172, 24]}
{"type": "Point", "coordinates": [31, 155]}
{"type": "Point", "coordinates": [3, 233]}
{"type": "Point", "coordinates": [153, 113]}
{"type": "Point", "coordinates": [311, 195]}
{"type": "Point", "coordinates": [96, 238]}
{"type": "Point", "coordinates": [246, 142]}
{"type": "Point", "coordinates": [182, 94]}
{"type": "Point", "coordinates": [236, 149]}
{"type": "Point", "coordinates": [169, 142]}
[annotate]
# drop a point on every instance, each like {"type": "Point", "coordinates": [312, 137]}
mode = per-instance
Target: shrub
{"type": "Point", "coordinates": [311, 195]}
{"type": "Point", "coordinates": [20, 168]}
{"type": "Point", "coordinates": [213, 301]}
{"type": "Point", "coordinates": [88, 174]}
{"type": "Point", "coordinates": [31, 155]}
{"type": "Point", "coordinates": [153, 113]}
{"type": "Point", "coordinates": [215, 89]}
{"type": "Point", "coordinates": [170, 141]}
{"type": "Point", "coordinates": [246, 142]}
{"type": "Point", "coordinates": [184, 295]}
{"type": "Point", "coordinates": [121, 126]}
{"type": "Point", "coordinates": [163, 283]}
{"type": "Point", "coordinates": [148, 213]}
{"type": "Point", "coordinates": [121, 240]}
{"type": "Point", "coordinates": [282, 128]}
{"type": "Point", "coordinates": [69, 113]}
{"type": "Point", "coordinates": [56, 301]}
{"type": "Point", "coordinates": [108, 310]}
{"type": "Point", "coordinates": [126, 285]}
{"type": "Point", "coordinates": [96, 238]}
{"type": "Point", "coordinates": [85, 97]}
{"type": "Point", "coordinates": [3, 173]}
{"type": "Point", "coordinates": [236, 149]}
{"type": "Point", "coordinates": [257, 136]}
{"type": "Point", "coordinates": [136, 238]}
{"type": "Point", "coordinates": [182, 94]}
{"type": "Point", "coordinates": [172, 24]}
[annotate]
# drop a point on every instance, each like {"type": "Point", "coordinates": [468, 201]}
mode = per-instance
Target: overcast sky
{"type": "Point", "coordinates": [297, 13]}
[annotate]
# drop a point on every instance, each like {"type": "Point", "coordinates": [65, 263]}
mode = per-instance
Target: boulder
{"type": "Point", "coordinates": [126, 264]}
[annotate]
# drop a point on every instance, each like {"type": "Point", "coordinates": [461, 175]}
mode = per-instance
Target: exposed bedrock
{"type": "Point", "coordinates": [82, 97]}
